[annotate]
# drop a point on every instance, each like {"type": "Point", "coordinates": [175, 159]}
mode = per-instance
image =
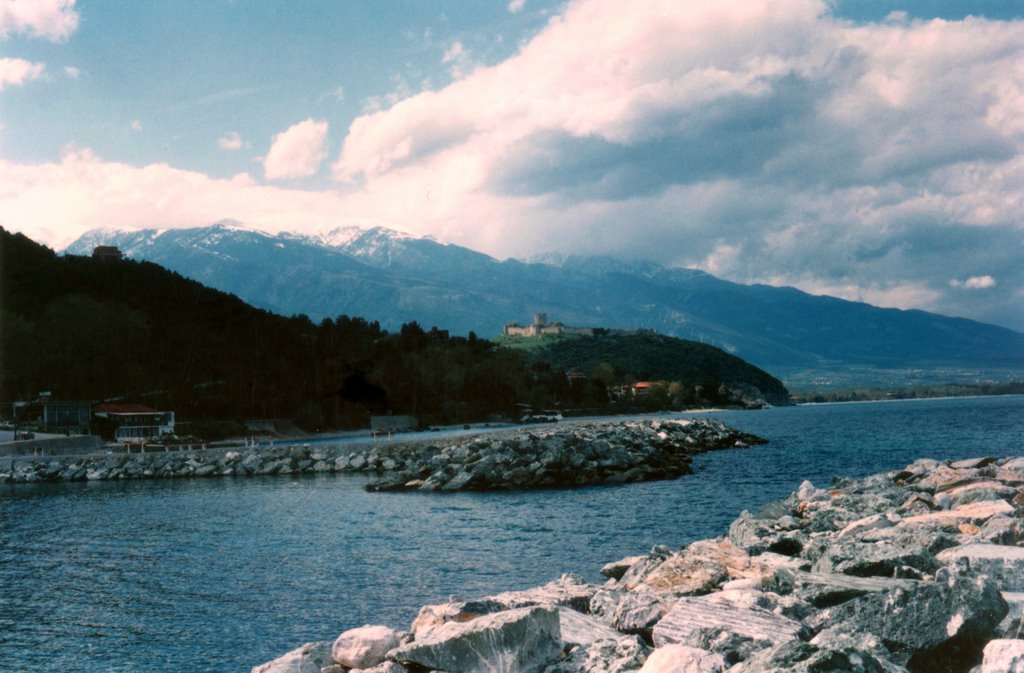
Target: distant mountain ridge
{"type": "Point", "coordinates": [395, 278]}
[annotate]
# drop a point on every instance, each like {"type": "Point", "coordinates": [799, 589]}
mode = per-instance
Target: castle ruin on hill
{"type": "Point", "coordinates": [541, 327]}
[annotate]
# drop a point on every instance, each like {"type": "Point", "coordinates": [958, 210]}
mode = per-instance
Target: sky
{"type": "Point", "coordinates": [866, 149]}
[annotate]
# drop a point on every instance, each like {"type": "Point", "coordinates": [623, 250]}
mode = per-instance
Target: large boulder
{"type": "Point", "coordinates": [867, 558]}
{"type": "Point", "coordinates": [629, 611]}
{"type": "Point", "coordinates": [515, 641]}
{"type": "Point", "coordinates": [364, 647]}
{"type": "Point", "coordinates": [800, 657]}
{"type": "Point", "coordinates": [701, 568]}
{"type": "Point", "coordinates": [823, 590]}
{"type": "Point", "coordinates": [975, 513]}
{"type": "Point", "coordinates": [930, 627]}
{"type": "Point", "coordinates": [580, 629]}
{"type": "Point", "coordinates": [1003, 656]}
{"type": "Point", "coordinates": [691, 615]}
{"type": "Point", "coordinates": [1003, 565]}
{"type": "Point", "coordinates": [568, 590]}
{"type": "Point", "coordinates": [616, 569]}
{"type": "Point", "coordinates": [644, 566]}
{"type": "Point", "coordinates": [309, 658]}
{"type": "Point", "coordinates": [431, 616]}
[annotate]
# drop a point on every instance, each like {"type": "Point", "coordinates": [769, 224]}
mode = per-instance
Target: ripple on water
{"type": "Point", "coordinates": [217, 575]}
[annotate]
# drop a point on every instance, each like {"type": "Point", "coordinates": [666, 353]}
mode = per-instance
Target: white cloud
{"type": "Point", "coordinates": [739, 137]}
{"type": "Point", "coordinates": [72, 72]}
{"type": "Point", "coordinates": [136, 125]}
{"type": "Point", "coordinates": [54, 20]}
{"type": "Point", "coordinates": [453, 53]}
{"type": "Point", "coordinates": [298, 151]}
{"type": "Point", "coordinates": [17, 71]}
{"type": "Point", "coordinates": [766, 141]}
{"type": "Point", "coordinates": [231, 141]}
{"type": "Point", "coordinates": [516, 6]}
{"type": "Point", "coordinates": [974, 283]}
{"type": "Point", "coordinates": [56, 202]}
{"type": "Point", "coordinates": [457, 56]}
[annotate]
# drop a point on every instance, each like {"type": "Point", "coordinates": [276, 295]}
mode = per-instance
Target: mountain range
{"type": "Point", "coordinates": [390, 277]}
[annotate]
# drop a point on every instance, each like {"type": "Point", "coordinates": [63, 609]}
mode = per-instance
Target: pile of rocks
{"type": "Point", "coordinates": [207, 463]}
{"type": "Point", "coordinates": [574, 455]}
{"type": "Point", "coordinates": [918, 570]}
{"type": "Point", "coordinates": [569, 455]}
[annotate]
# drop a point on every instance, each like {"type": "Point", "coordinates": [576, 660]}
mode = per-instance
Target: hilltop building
{"type": "Point", "coordinates": [541, 327]}
{"type": "Point", "coordinates": [107, 253]}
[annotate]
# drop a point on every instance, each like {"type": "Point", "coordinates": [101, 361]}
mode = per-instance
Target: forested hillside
{"type": "Point", "coordinates": [695, 372]}
{"type": "Point", "coordinates": [91, 329]}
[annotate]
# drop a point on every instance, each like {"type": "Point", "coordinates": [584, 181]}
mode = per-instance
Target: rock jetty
{"type": "Point", "coordinates": [918, 570]}
{"type": "Point", "coordinates": [573, 454]}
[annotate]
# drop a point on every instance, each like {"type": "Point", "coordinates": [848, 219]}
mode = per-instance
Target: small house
{"type": "Point", "coordinates": [132, 423]}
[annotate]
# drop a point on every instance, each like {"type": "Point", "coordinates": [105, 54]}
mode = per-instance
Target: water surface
{"type": "Point", "coordinates": [217, 575]}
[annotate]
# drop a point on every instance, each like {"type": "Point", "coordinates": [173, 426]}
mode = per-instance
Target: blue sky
{"type": "Point", "coordinates": [869, 150]}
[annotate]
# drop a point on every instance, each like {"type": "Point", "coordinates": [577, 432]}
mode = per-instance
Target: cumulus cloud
{"type": "Point", "coordinates": [72, 72]}
{"type": "Point", "coordinates": [136, 125]}
{"type": "Point", "coordinates": [54, 20]}
{"type": "Point", "coordinates": [516, 6]}
{"type": "Point", "coordinates": [458, 59]}
{"type": "Point", "coordinates": [764, 141]}
{"type": "Point", "coordinates": [56, 202]}
{"type": "Point", "coordinates": [231, 141]}
{"type": "Point", "coordinates": [17, 71]}
{"type": "Point", "coordinates": [297, 152]}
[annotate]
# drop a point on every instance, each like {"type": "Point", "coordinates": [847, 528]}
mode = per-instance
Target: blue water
{"type": "Point", "coordinates": [217, 575]}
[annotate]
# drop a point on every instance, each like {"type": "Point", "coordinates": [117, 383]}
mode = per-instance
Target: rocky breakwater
{"type": "Point", "coordinates": [205, 463]}
{"type": "Point", "coordinates": [521, 458]}
{"type": "Point", "coordinates": [571, 455]}
{"type": "Point", "coordinates": [918, 570]}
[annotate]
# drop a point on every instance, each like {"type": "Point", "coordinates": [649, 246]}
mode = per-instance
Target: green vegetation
{"type": "Point", "coordinates": [684, 373]}
{"type": "Point", "coordinates": [912, 392]}
{"type": "Point", "coordinates": [87, 329]}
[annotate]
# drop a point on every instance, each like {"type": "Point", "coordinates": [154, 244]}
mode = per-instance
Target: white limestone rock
{"type": "Point", "coordinates": [386, 667]}
{"type": "Point", "coordinates": [629, 611]}
{"type": "Point", "coordinates": [309, 658]}
{"type": "Point", "coordinates": [514, 641]}
{"type": "Point", "coordinates": [1004, 565]}
{"type": "Point", "coordinates": [873, 522]}
{"type": "Point", "coordinates": [431, 616]}
{"type": "Point", "coordinates": [975, 512]}
{"type": "Point", "coordinates": [676, 658]}
{"type": "Point", "coordinates": [580, 629]}
{"type": "Point", "coordinates": [693, 614]}
{"type": "Point", "coordinates": [364, 647]}
{"type": "Point", "coordinates": [568, 590]}
{"type": "Point", "coordinates": [1003, 656]}
{"type": "Point", "coordinates": [616, 569]}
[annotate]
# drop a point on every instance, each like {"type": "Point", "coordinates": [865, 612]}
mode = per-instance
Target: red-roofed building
{"type": "Point", "coordinates": [132, 423]}
{"type": "Point", "coordinates": [641, 388]}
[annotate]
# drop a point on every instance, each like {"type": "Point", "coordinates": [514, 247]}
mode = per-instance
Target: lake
{"type": "Point", "coordinates": [218, 575]}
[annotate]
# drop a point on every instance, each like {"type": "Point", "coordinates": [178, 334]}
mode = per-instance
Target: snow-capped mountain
{"type": "Point", "coordinates": [394, 278]}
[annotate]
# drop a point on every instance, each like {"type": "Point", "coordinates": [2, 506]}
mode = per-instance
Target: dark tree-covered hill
{"type": "Point", "coordinates": [619, 358]}
{"type": "Point", "coordinates": [88, 329]}
{"type": "Point", "coordinates": [108, 329]}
